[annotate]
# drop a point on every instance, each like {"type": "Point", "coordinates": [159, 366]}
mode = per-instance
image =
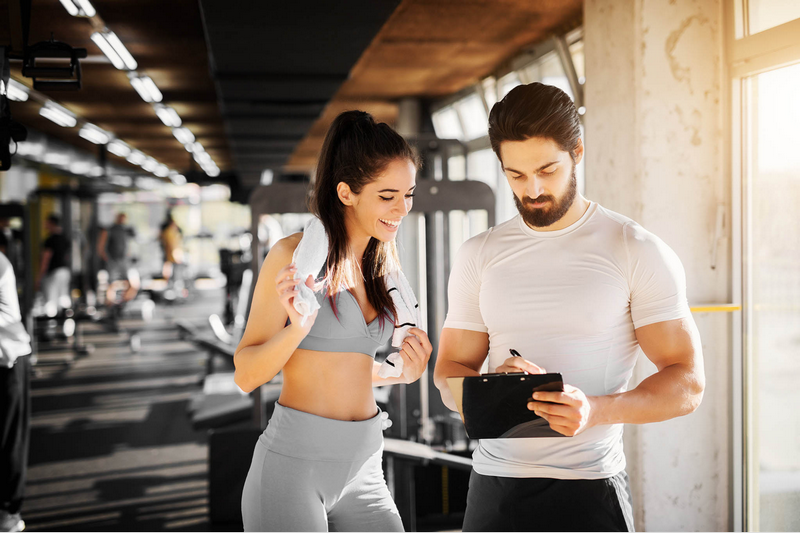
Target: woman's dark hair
{"type": "Point", "coordinates": [356, 151]}
{"type": "Point", "coordinates": [535, 110]}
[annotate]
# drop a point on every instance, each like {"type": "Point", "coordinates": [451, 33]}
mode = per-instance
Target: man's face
{"type": "Point", "coordinates": [542, 177]}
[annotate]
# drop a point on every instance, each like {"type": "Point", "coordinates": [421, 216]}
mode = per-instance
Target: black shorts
{"type": "Point", "coordinates": [543, 504]}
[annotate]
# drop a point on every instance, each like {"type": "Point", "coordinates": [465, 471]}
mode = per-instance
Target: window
{"type": "Point", "coordinates": [765, 81]}
{"type": "Point", "coordinates": [766, 14]}
{"type": "Point", "coordinates": [506, 83]}
{"type": "Point", "coordinates": [773, 289]}
{"type": "Point", "coordinates": [548, 70]}
{"type": "Point", "coordinates": [447, 124]}
{"type": "Point", "coordinates": [473, 117]}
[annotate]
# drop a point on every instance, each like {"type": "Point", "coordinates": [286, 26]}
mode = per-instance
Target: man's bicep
{"type": "Point", "coordinates": [671, 342]}
{"type": "Point", "coordinates": [465, 347]}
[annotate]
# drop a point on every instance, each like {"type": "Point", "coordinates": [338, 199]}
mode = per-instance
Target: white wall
{"type": "Point", "coordinates": [655, 146]}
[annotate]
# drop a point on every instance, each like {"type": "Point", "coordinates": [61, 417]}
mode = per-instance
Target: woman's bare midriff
{"type": "Point", "coordinates": [329, 384]}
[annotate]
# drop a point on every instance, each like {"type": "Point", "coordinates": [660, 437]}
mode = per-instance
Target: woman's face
{"type": "Point", "coordinates": [380, 207]}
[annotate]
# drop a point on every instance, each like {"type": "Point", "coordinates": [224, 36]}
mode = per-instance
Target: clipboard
{"type": "Point", "coordinates": [495, 406]}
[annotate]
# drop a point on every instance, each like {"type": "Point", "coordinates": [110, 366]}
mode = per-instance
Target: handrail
{"type": "Point", "coordinates": [715, 308]}
{"type": "Point", "coordinates": [415, 450]}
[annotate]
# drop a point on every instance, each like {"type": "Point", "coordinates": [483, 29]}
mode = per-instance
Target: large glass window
{"type": "Point", "coordinates": [473, 117]}
{"type": "Point", "coordinates": [772, 288]}
{"type": "Point", "coordinates": [548, 70]}
{"type": "Point", "coordinates": [447, 124]}
{"type": "Point", "coordinates": [766, 14]}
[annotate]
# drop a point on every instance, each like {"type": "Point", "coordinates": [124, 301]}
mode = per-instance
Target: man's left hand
{"type": "Point", "coordinates": [568, 412]}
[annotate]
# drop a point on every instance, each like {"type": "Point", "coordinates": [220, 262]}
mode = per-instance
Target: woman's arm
{"type": "Point", "coordinates": [267, 343]}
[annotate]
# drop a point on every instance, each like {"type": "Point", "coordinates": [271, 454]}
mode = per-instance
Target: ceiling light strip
{"type": "Point", "coordinates": [110, 44]}
{"type": "Point", "coordinates": [112, 55]}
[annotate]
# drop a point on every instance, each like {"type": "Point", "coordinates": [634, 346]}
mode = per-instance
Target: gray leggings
{"type": "Point", "coordinates": [311, 473]}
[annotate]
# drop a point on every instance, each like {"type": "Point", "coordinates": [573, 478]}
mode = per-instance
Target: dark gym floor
{"type": "Point", "coordinates": [112, 448]}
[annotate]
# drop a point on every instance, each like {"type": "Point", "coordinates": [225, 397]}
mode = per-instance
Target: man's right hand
{"type": "Point", "coordinates": [517, 365]}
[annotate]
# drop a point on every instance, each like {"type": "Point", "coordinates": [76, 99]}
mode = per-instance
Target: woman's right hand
{"type": "Point", "coordinates": [287, 288]}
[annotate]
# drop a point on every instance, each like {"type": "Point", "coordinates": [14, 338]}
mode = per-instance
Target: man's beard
{"type": "Point", "coordinates": [540, 217]}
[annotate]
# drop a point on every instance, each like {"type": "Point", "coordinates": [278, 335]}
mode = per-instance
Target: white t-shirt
{"type": "Point", "coordinates": [568, 301]}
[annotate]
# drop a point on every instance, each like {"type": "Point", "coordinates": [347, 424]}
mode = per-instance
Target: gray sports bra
{"type": "Point", "coordinates": [349, 332]}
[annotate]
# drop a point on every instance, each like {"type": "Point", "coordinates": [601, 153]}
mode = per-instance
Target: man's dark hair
{"type": "Point", "coordinates": [535, 110]}
{"type": "Point", "coordinates": [54, 219]}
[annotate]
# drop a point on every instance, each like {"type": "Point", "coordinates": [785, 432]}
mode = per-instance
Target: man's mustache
{"type": "Point", "coordinates": [537, 200]}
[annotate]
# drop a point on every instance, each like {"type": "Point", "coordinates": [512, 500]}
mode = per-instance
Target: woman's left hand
{"type": "Point", "coordinates": [416, 351]}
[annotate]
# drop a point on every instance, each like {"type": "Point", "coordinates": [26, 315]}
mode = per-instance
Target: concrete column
{"type": "Point", "coordinates": [654, 152]}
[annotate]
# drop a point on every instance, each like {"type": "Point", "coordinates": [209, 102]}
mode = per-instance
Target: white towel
{"type": "Point", "coordinates": [408, 316]}
{"type": "Point", "coordinates": [310, 256]}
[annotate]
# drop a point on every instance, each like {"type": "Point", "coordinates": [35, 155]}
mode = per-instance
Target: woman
{"type": "Point", "coordinates": [318, 464]}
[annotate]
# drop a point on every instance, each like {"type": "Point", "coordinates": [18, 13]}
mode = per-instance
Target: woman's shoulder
{"type": "Point", "coordinates": [283, 250]}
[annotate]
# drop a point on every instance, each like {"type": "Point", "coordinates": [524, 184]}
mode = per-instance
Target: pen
{"type": "Point", "coordinates": [515, 353]}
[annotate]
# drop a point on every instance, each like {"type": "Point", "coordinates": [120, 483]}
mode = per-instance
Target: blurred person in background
{"type": "Point", "coordinates": [15, 402]}
{"type": "Point", "coordinates": [112, 247]}
{"type": "Point", "coordinates": [54, 273]}
{"type": "Point", "coordinates": [171, 238]}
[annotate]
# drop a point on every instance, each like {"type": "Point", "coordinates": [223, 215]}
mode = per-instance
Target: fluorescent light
{"type": "Point", "coordinates": [147, 183]}
{"type": "Point", "coordinates": [266, 176]}
{"type": "Point", "coordinates": [203, 158]}
{"type": "Point", "coordinates": [149, 164]}
{"type": "Point", "coordinates": [101, 42]}
{"type": "Point", "coordinates": [86, 7]}
{"type": "Point", "coordinates": [122, 181]}
{"type": "Point", "coordinates": [168, 116]}
{"type": "Point", "coordinates": [194, 147]}
{"type": "Point", "coordinates": [146, 88]}
{"type": "Point", "coordinates": [16, 91]}
{"type": "Point", "coordinates": [120, 49]}
{"type": "Point", "coordinates": [177, 179]}
{"type": "Point", "coordinates": [97, 171]}
{"type": "Point", "coordinates": [119, 148]}
{"type": "Point", "coordinates": [58, 114]}
{"type": "Point", "coordinates": [161, 171]}
{"type": "Point", "coordinates": [212, 172]}
{"type": "Point", "coordinates": [183, 135]}
{"type": "Point", "coordinates": [92, 133]}
{"type": "Point", "coordinates": [71, 8]}
{"type": "Point", "coordinates": [136, 157]}
{"type": "Point", "coordinates": [80, 167]}
{"type": "Point", "coordinates": [54, 158]}
{"type": "Point", "coordinates": [30, 149]}
{"type": "Point", "coordinates": [151, 88]}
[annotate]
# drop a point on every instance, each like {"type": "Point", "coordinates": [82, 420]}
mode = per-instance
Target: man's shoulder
{"type": "Point", "coordinates": [477, 244]}
{"type": "Point", "coordinates": [621, 227]}
{"type": "Point", "coordinates": [639, 243]}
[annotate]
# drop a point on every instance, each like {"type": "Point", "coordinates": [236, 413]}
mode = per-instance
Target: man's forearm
{"type": "Point", "coordinates": [447, 369]}
{"type": "Point", "coordinates": [675, 390]}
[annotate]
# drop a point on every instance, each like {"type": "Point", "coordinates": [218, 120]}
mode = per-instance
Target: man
{"type": "Point", "coordinates": [54, 273]}
{"type": "Point", "coordinates": [112, 247]}
{"type": "Point", "coordinates": [15, 403]}
{"type": "Point", "coordinates": [575, 289]}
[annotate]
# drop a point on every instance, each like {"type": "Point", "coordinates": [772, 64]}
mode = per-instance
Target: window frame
{"type": "Point", "coordinates": [746, 57]}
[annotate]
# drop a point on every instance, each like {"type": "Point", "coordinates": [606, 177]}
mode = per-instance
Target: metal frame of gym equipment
{"type": "Point", "coordinates": [434, 199]}
{"type": "Point", "coordinates": [87, 254]}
